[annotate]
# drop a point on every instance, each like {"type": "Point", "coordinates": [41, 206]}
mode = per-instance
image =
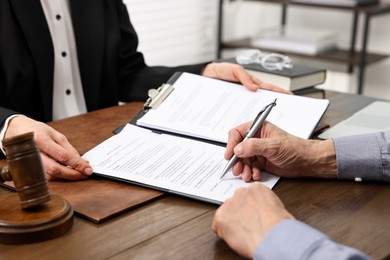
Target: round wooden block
{"type": "Point", "coordinates": [47, 221]}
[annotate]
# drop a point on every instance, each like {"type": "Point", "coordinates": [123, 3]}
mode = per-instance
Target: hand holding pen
{"type": "Point", "coordinates": [257, 122]}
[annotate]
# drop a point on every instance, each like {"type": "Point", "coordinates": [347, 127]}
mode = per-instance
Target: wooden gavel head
{"type": "Point", "coordinates": [25, 170]}
{"type": "Point", "coordinates": [42, 216]}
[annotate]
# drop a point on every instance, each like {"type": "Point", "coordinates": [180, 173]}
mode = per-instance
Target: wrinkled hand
{"type": "Point", "coordinates": [244, 219]}
{"type": "Point", "coordinates": [237, 73]}
{"type": "Point", "coordinates": [275, 151]}
{"type": "Point", "coordinates": [59, 158]}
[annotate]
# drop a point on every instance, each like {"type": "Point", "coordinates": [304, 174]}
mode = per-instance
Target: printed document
{"type": "Point", "coordinates": [173, 164]}
{"type": "Point", "coordinates": [208, 108]}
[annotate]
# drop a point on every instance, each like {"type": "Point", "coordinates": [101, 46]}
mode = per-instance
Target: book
{"type": "Point", "coordinates": [301, 40]}
{"type": "Point", "coordinates": [208, 108]}
{"type": "Point", "coordinates": [312, 92]}
{"type": "Point", "coordinates": [295, 78]}
{"type": "Point", "coordinates": [345, 3]}
{"type": "Point", "coordinates": [370, 119]}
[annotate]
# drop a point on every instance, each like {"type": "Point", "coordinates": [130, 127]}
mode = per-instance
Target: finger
{"type": "Point", "coordinates": [63, 142]}
{"type": "Point", "coordinates": [250, 169]}
{"type": "Point", "coordinates": [256, 173]}
{"type": "Point", "coordinates": [245, 78]}
{"type": "Point", "coordinates": [56, 171]}
{"type": "Point", "coordinates": [72, 160]}
{"type": "Point", "coordinates": [237, 168]}
{"type": "Point", "coordinates": [264, 85]}
{"type": "Point", "coordinates": [220, 217]}
{"type": "Point", "coordinates": [246, 174]}
{"type": "Point", "coordinates": [243, 128]}
{"type": "Point", "coordinates": [51, 178]}
{"type": "Point", "coordinates": [62, 151]}
{"type": "Point", "coordinates": [235, 137]}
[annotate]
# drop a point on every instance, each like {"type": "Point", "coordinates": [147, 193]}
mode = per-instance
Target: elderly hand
{"type": "Point", "coordinates": [278, 152]}
{"type": "Point", "coordinates": [237, 73]}
{"type": "Point", "coordinates": [244, 219]}
{"type": "Point", "coordinates": [59, 158]}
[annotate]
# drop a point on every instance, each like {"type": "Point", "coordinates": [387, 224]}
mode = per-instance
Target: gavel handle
{"type": "Point", "coordinates": [5, 174]}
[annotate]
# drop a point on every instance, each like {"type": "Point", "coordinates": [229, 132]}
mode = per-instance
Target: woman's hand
{"type": "Point", "coordinates": [237, 73]}
{"type": "Point", "coordinates": [59, 158]}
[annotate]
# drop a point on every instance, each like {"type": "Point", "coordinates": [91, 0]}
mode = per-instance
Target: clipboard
{"type": "Point", "coordinates": [228, 104]}
{"type": "Point", "coordinates": [156, 98]}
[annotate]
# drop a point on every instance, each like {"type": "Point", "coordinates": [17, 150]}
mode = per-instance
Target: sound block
{"type": "Point", "coordinates": [40, 223]}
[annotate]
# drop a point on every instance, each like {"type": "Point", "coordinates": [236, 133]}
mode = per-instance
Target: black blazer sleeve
{"type": "Point", "coordinates": [4, 114]}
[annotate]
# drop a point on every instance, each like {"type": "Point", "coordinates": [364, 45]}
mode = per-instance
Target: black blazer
{"type": "Point", "coordinates": [111, 68]}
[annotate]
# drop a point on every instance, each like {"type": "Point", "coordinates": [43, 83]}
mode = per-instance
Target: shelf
{"type": "Point", "coordinates": [381, 7]}
{"type": "Point", "coordinates": [350, 57]}
{"type": "Point", "coordinates": [338, 55]}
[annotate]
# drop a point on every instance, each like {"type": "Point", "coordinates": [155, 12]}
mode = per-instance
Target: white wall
{"type": "Point", "coordinates": [175, 32]}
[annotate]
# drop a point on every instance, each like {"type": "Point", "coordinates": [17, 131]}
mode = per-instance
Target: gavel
{"type": "Point", "coordinates": [25, 170]}
{"type": "Point", "coordinates": [42, 216]}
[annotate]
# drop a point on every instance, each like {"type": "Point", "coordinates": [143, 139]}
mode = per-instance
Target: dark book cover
{"type": "Point", "coordinates": [296, 71]}
{"type": "Point", "coordinates": [295, 78]}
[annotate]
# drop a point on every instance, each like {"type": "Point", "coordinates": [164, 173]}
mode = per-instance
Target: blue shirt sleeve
{"type": "Point", "coordinates": [292, 239]}
{"type": "Point", "coordinates": [364, 156]}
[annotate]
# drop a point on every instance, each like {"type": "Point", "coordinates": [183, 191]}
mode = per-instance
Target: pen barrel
{"type": "Point", "coordinates": [258, 122]}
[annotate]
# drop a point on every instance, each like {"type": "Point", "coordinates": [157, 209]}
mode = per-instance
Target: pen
{"type": "Point", "coordinates": [259, 120]}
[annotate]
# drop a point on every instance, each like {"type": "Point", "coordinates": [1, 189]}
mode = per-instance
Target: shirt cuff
{"type": "Point", "coordinates": [359, 157]}
{"type": "Point", "coordinates": [294, 240]}
{"type": "Point", "coordinates": [3, 129]}
{"type": "Point", "coordinates": [290, 239]}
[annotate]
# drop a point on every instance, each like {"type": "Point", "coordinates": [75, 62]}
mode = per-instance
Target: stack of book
{"type": "Point", "coordinates": [300, 40]}
{"type": "Point", "coordinates": [294, 79]}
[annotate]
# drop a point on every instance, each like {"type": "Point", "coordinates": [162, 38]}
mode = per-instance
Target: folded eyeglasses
{"type": "Point", "coordinates": [269, 61]}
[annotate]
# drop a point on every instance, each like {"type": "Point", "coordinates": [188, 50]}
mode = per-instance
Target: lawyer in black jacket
{"type": "Point", "coordinates": [110, 66]}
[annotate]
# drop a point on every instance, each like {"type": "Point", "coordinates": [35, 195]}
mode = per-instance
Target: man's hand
{"type": "Point", "coordinates": [59, 158]}
{"type": "Point", "coordinates": [243, 220]}
{"type": "Point", "coordinates": [237, 73]}
{"type": "Point", "coordinates": [278, 152]}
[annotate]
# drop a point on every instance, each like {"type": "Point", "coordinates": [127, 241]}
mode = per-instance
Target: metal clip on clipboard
{"type": "Point", "coordinates": [157, 96]}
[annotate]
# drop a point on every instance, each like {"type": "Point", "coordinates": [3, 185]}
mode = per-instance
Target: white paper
{"type": "Point", "coordinates": [174, 164]}
{"type": "Point", "coordinates": [208, 108]}
{"type": "Point", "coordinates": [370, 119]}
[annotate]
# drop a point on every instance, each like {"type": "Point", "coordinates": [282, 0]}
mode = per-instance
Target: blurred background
{"type": "Point", "coordinates": [174, 32]}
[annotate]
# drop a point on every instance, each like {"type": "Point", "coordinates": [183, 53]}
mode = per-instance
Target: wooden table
{"type": "Point", "coordinates": [355, 214]}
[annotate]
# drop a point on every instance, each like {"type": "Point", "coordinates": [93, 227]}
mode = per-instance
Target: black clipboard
{"type": "Point", "coordinates": [156, 97]}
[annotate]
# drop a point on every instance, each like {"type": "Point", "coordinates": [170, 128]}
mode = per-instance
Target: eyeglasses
{"type": "Point", "coordinates": [269, 61]}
